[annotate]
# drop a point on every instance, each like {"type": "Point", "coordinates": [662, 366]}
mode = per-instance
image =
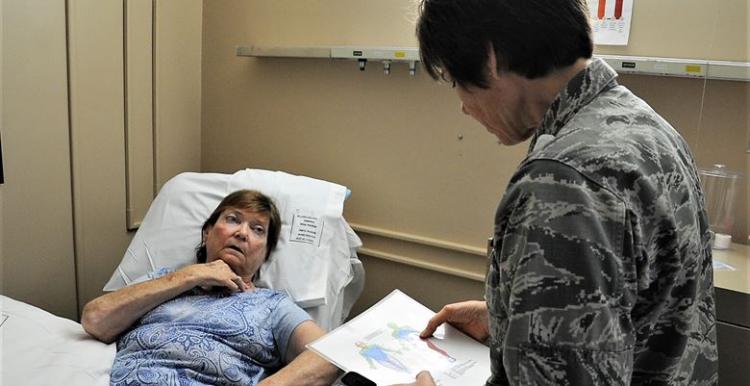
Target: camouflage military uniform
{"type": "Point", "coordinates": [600, 271]}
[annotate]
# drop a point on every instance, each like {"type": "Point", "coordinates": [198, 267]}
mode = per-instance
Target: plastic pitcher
{"type": "Point", "coordinates": [719, 188]}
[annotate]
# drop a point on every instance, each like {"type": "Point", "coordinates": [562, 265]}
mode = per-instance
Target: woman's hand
{"type": "Point", "coordinates": [423, 379]}
{"type": "Point", "coordinates": [107, 316]}
{"type": "Point", "coordinates": [471, 317]}
{"type": "Point", "coordinates": [214, 274]}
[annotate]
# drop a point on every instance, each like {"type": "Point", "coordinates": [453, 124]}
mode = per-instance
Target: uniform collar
{"type": "Point", "coordinates": [598, 76]}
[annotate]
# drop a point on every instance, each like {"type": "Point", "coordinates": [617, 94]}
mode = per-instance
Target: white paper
{"type": "Point", "coordinates": [383, 344]}
{"type": "Point", "coordinates": [610, 21]}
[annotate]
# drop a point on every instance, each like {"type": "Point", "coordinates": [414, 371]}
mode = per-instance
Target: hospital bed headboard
{"type": "Point", "coordinates": [315, 260]}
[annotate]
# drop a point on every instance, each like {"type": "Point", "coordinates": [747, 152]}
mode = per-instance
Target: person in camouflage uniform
{"type": "Point", "coordinates": [600, 269]}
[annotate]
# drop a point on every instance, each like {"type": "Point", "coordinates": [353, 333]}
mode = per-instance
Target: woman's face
{"type": "Point", "coordinates": [239, 239]}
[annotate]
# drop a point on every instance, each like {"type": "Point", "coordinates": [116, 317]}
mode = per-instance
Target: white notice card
{"type": "Point", "coordinates": [383, 344]}
{"type": "Point", "coordinates": [306, 228]}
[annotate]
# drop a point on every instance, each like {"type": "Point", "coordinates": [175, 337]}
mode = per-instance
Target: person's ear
{"type": "Point", "coordinates": [491, 62]}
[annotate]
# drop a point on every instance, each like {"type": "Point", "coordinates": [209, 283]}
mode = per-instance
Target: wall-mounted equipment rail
{"type": "Point", "coordinates": [691, 68]}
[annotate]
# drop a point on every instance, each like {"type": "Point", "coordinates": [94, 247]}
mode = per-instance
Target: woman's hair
{"type": "Point", "coordinates": [530, 38]}
{"type": "Point", "coordinates": [253, 201]}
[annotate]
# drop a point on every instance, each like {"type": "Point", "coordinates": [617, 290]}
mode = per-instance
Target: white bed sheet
{"type": "Point", "coordinates": [39, 348]}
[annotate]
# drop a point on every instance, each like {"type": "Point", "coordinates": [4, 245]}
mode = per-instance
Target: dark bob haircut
{"type": "Point", "coordinates": [531, 38]}
{"type": "Point", "coordinates": [253, 201]}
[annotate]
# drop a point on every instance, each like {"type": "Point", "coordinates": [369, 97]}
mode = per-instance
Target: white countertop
{"type": "Point", "coordinates": [738, 257]}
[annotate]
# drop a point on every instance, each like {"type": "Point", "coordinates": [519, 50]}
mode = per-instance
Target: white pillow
{"type": "Point", "coordinates": [313, 245]}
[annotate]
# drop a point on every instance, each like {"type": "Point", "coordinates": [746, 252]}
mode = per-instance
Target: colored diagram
{"type": "Point", "coordinates": [383, 356]}
{"type": "Point", "coordinates": [610, 21]}
{"type": "Point", "coordinates": [601, 10]}
{"type": "Point", "coordinates": [408, 336]}
{"type": "Point", "coordinates": [396, 348]}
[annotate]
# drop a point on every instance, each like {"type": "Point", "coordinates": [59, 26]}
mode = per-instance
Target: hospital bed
{"type": "Point", "coordinates": [315, 262]}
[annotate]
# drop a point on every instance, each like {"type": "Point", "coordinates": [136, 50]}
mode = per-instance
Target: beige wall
{"type": "Point", "coordinates": [695, 29]}
{"type": "Point", "coordinates": [433, 289]}
{"type": "Point", "coordinates": [37, 236]}
{"type": "Point", "coordinates": [425, 178]}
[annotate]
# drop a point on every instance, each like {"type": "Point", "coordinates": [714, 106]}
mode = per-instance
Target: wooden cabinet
{"type": "Point", "coordinates": [37, 215]}
{"type": "Point", "coordinates": [76, 74]}
{"type": "Point", "coordinates": [733, 335]}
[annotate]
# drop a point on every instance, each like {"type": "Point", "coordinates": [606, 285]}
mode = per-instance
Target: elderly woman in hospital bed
{"type": "Point", "coordinates": [207, 323]}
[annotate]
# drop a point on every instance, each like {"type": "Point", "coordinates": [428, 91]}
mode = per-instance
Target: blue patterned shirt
{"type": "Point", "coordinates": [208, 338]}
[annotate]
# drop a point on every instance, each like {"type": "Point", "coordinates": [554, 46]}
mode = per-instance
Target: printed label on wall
{"type": "Point", "coordinates": [306, 228]}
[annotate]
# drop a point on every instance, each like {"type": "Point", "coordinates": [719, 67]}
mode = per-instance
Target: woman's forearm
{"type": "Point", "coordinates": [307, 368]}
{"type": "Point", "coordinates": [109, 315]}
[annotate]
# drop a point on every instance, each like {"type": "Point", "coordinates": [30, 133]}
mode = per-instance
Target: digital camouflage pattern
{"type": "Point", "coordinates": [600, 271]}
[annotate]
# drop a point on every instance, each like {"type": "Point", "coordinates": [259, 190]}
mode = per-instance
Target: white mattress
{"type": "Point", "coordinates": [38, 348]}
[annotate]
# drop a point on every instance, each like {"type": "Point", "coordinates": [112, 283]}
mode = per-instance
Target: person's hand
{"type": "Point", "coordinates": [423, 379]}
{"type": "Point", "coordinates": [215, 274]}
{"type": "Point", "coordinates": [471, 317]}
